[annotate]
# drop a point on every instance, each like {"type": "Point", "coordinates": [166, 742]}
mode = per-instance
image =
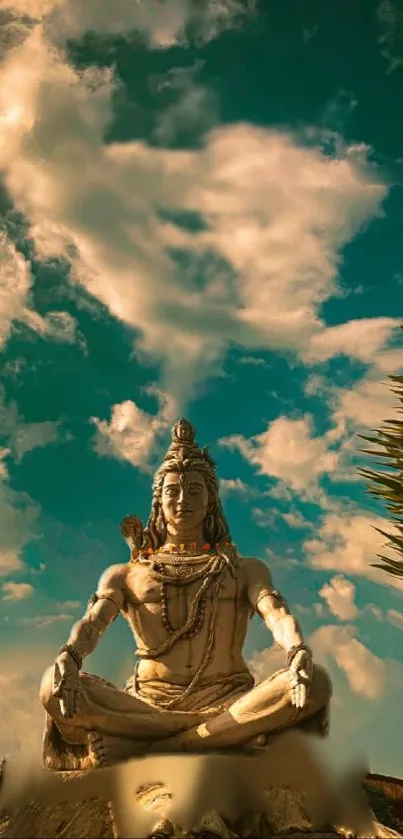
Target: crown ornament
{"type": "Point", "coordinates": [183, 446]}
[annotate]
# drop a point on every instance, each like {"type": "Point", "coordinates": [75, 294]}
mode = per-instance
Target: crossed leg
{"type": "Point", "coordinates": [119, 726]}
{"type": "Point", "coordinates": [265, 709]}
{"type": "Point", "coordinates": [110, 723]}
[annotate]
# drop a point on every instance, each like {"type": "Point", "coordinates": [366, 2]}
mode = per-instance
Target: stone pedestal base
{"type": "Point", "coordinates": [84, 820]}
{"type": "Point", "coordinates": [226, 796]}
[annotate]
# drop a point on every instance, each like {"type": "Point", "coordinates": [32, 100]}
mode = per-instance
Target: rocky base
{"type": "Point", "coordinates": [93, 819]}
{"type": "Point", "coordinates": [84, 820]}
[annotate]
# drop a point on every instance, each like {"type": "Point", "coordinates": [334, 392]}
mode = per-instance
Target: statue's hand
{"type": "Point", "coordinates": [66, 684]}
{"type": "Point", "coordinates": [300, 672]}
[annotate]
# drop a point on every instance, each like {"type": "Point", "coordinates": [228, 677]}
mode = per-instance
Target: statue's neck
{"type": "Point", "coordinates": [186, 547]}
{"type": "Point", "coordinates": [178, 536]}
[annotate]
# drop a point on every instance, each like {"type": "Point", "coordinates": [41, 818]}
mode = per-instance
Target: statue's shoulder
{"type": "Point", "coordinates": [113, 578]}
{"type": "Point", "coordinates": [254, 569]}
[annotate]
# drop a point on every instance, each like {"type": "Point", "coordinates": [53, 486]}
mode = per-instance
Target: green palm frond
{"type": "Point", "coordinates": [386, 483]}
{"type": "Point", "coordinates": [385, 566]}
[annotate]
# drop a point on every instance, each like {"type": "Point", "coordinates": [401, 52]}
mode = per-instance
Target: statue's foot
{"type": "Point", "coordinates": [106, 750]}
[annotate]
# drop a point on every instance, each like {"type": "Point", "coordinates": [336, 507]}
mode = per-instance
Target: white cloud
{"type": "Point", "coordinates": [362, 339]}
{"type": "Point", "coordinates": [374, 611]}
{"type": "Point", "coordinates": [288, 451]}
{"type": "Point", "coordinates": [35, 9]}
{"type": "Point", "coordinates": [70, 604]}
{"type": "Point", "coordinates": [131, 433]}
{"type": "Point", "coordinates": [97, 205]}
{"type": "Point", "coordinates": [296, 520]}
{"type": "Point", "coordinates": [59, 326]}
{"type": "Point", "coordinates": [10, 561]}
{"type": "Point", "coordinates": [15, 304]}
{"type": "Point", "coordinates": [15, 283]}
{"type": "Point", "coordinates": [253, 361]}
{"type": "Point", "coordinates": [364, 670]}
{"type": "Point", "coordinates": [234, 486]}
{"type": "Point", "coordinates": [395, 618]}
{"type": "Point", "coordinates": [42, 621]}
{"type": "Point", "coordinates": [16, 591]}
{"type": "Point", "coordinates": [348, 543]}
{"type": "Point", "coordinates": [20, 436]}
{"type": "Point", "coordinates": [163, 24]}
{"type": "Point", "coordinates": [367, 690]}
{"type": "Point", "coordinates": [33, 435]}
{"type": "Point", "coordinates": [339, 594]}
{"type": "Point", "coordinates": [266, 662]}
{"type": "Point", "coordinates": [362, 407]}
{"type": "Point", "coordinates": [264, 518]}
{"type": "Point", "coordinates": [18, 515]}
{"type": "Point", "coordinates": [22, 716]}
{"type": "Point", "coordinates": [358, 409]}
{"type": "Point", "coordinates": [391, 26]}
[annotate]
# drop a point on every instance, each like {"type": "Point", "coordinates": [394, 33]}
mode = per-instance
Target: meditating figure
{"type": "Point", "coordinates": [187, 596]}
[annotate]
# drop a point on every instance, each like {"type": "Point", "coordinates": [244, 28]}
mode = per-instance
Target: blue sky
{"type": "Point", "coordinates": [200, 213]}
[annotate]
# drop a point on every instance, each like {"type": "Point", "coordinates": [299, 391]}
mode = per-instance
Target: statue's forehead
{"type": "Point", "coordinates": [191, 476]}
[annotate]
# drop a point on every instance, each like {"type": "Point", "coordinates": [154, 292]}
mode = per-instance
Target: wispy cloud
{"type": "Point", "coordinates": [163, 25]}
{"type": "Point", "coordinates": [18, 518]}
{"type": "Point", "coordinates": [15, 290]}
{"type": "Point", "coordinates": [20, 436]}
{"type": "Point", "coordinates": [41, 621]}
{"type": "Point", "coordinates": [16, 591]}
{"type": "Point", "coordinates": [100, 209]}
{"type": "Point", "coordinates": [234, 486]}
{"type": "Point", "coordinates": [347, 542]}
{"type": "Point", "coordinates": [21, 713]}
{"type": "Point", "coordinates": [15, 283]}
{"type": "Point", "coordinates": [390, 19]}
{"type": "Point", "coordinates": [360, 339]}
{"type": "Point", "coordinates": [366, 673]}
{"type": "Point", "coordinates": [288, 451]}
{"type": "Point", "coordinates": [296, 520]}
{"type": "Point", "coordinates": [131, 433]}
{"type": "Point", "coordinates": [253, 360]}
{"type": "Point", "coordinates": [339, 594]}
{"type": "Point", "coordinates": [395, 618]}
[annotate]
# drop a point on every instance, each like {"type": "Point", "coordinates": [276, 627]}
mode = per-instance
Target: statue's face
{"type": "Point", "coordinates": [184, 500]}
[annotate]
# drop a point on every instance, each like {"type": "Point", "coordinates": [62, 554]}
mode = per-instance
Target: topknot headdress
{"type": "Point", "coordinates": [184, 449]}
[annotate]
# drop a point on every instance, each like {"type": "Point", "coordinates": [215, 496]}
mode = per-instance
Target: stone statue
{"type": "Point", "coordinates": [187, 596]}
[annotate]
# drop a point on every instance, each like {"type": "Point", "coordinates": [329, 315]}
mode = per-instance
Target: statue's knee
{"type": "Point", "coordinates": [46, 688]}
{"type": "Point", "coordinates": [322, 688]}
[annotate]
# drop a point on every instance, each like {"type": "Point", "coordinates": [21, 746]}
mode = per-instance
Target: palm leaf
{"type": "Point", "coordinates": [386, 483]}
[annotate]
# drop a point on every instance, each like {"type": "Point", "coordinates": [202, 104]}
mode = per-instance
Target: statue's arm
{"type": "Point", "coordinates": [102, 609]}
{"type": "Point", "coordinates": [270, 605]}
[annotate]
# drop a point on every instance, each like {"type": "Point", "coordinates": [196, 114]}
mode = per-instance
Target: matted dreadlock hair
{"type": "Point", "coordinates": [185, 455]}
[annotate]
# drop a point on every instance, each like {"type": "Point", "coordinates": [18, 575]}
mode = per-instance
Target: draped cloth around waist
{"type": "Point", "coordinates": [209, 695]}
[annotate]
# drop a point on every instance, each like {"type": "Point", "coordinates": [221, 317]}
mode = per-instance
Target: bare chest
{"type": "Point", "coordinates": [144, 588]}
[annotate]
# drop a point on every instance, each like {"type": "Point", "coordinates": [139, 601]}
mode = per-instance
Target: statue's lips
{"type": "Point", "coordinates": [181, 513]}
